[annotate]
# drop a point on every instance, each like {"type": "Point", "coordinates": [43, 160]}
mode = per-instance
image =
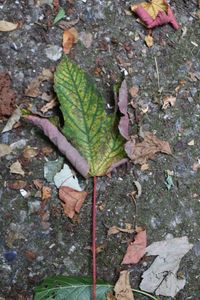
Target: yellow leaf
{"type": "Point", "coordinates": [122, 287]}
{"type": "Point", "coordinates": [70, 37]}
{"type": "Point", "coordinates": [149, 40]}
{"type": "Point", "coordinates": [8, 26]}
{"type": "Point", "coordinates": [153, 8]}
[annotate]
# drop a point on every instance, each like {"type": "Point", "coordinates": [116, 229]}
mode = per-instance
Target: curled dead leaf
{"type": "Point", "coordinates": [30, 152]}
{"type": "Point", "coordinates": [17, 185]}
{"type": "Point", "coordinates": [70, 37]}
{"type": "Point", "coordinates": [72, 200]}
{"type": "Point", "coordinates": [46, 193]}
{"type": "Point", "coordinates": [133, 91]}
{"type": "Point", "coordinates": [140, 152]}
{"type": "Point", "coordinates": [53, 103]}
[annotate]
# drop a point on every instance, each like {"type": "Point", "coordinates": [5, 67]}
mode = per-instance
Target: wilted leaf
{"type": "Point", "coordinates": [161, 277]}
{"type": "Point", "coordinates": [16, 168]}
{"type": "Point", "coordinates": [70, 288]}
{"type": "Point", "coordinates": [16, 115]}
{"type": "Point", "coordinates": [72, 200]}
{"type": "Point", "coordinates": [67, 178]}
{"type": "Point", "coordinates": [155, 13]}
{"type": "Point", "coordinates": [149, 40]}
{"type": "Point", "coordinates": [86, 123]}
{"type": "Point", "coordinates": [70, 37]}
{"type": "Point", "coordinates": [136, 249]}
{"type": "Point", "coordinates": [140, 152]}
{"type": "Point", "coordinates": [8, 26]}
{"type": "Point", "coordinates": [63, 145]}
{"type": "Point", "coordinates": [115, 230]}
{"type": "Point", "coordinates": [167, 101]}
{"type": "Point", "coordinates": [60, 16]}
{"type": "Point", "coordinates": [4, 150]}
{"type": "Point", "coordinates": [122, 287]}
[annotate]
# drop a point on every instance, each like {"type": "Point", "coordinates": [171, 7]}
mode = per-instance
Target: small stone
{"type": "Point", "coordinates": [34, 206]}
{"type": "Point", "coordinates": [54, 52]}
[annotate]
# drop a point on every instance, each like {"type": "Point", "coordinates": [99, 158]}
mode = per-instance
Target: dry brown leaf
{"type": "Point", "coordinates": [17, 185]}
{"type": "Point", "coordinates": [122, 287]}
{"type": "Point", "coordinates": [110, 296]}
{"type": "Point", "coordinates": [115, 230]}
{"type": "Point", "coordinates": [53, 103]}
{"type": "Point", "coordinates": [47, 151]}
{"type": "Point", "coordinates": [136, 249]}
{"type": "Point", "coordinates": [5, 150]}
{"type": "Point", "coordinates": [30, 152]}
{"type": "Point", "coordinates": [140, 152]}
{"type": "Point", "coordinates": [8, 26]}
{"type": "Point", "coordinates": [149, 40]}
{"type": "Point", "coordinates": [16, 168]}
{"type": "Point", "coordinates": [46, 193]}
{"type": "Point", "coordinates": [33, 89]}
{"type": "Point", "coordinates": [14, 118]}
{"type": "Point", "coordinates": [167, 101]}
{"type": "Point", "coordinates": [38, 183]}
{"type": "Point", "coordinates": [70, 37]}
{"type": "Point", "coordinates": [134, 91]}
{"type": "Point", "coordinates": [7, 96]}
{"type": "Point", "coordinates": [72, 200]}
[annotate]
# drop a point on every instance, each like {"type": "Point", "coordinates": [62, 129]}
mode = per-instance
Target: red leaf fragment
{"type": "Point", "coordinates": [72, 200]}
{"type": "Point", "coordinates": [136, 249]}
{"type": "Point", "coordinates": [123, 103]}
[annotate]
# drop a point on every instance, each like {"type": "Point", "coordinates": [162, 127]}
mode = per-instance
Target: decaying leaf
{"type": "Point", "coordinates": [167, 101]}
{"type": "Point", "coordinates": [30, 152]}
{"type": "Point", "coordinates": [5, 150]}
{"type": "Point", "coordinates": [14, 118]}
{"type": "Point", "coordinates": [7, 96]}
{"type": "Point", "coordinates": [16, 168]}
{"type": "Point", "coordinates": [155, 13]}
{"type": "Point", "coordinates": [140, 152]}
{"type": "Point", "coordinates": [67, 178]}
{"type": "Point", "coordinates": [115, 230]}
{"type": "Point", "coordinates": [33, 89]}
{"type": "Point", "coordinates": [46, 193]}
{"type": "Point", "coordinates": [123, 288]}
{"type": "Point", "coordinates": [136, 249]}
{"type": "Point", "coordinates": [149, 40]}
{"type": "Point", "coordinates": [8, 26]}
{"type": "Point", "coordinates": [70, 37]}
{"type": "Point", "coordinates": [53, 103]}
{"type": "Point", "coordinates": [71, 200]}
{"type": "Point", "coordinates": [17, 185]}
{"type": "Point", "coordinates": [161, 278]}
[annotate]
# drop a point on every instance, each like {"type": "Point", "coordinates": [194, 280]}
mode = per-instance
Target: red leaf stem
{"type": "Point", "coordinates": [94, 268]}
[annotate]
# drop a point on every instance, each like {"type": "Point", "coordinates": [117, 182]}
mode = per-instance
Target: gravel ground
{"type": "Point", "coordinates": [31, 247]}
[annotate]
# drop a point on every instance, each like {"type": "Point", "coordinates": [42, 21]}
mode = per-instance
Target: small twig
{"type": "Point", "coordinates": [158, 77]}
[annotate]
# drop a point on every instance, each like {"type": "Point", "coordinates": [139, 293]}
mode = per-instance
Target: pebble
{"type": "Point", "coordinates": [10, 255]}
